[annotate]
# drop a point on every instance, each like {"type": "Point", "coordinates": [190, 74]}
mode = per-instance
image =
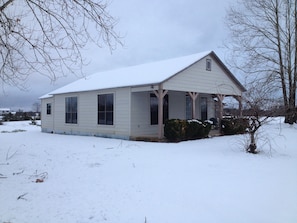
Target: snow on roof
{"type": "Point", "coordinates": [144, 74]}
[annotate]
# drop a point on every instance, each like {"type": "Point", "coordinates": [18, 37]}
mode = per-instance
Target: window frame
{"type": "Point", "coordinates": [105, 109]}
{"type": "Point", "coordinates": [208, 64]}
{"type": "Point", "coordinates": [71, 110]}
{"type": "Point", "coordinates": [48, 108]}
{"type": "Point", "coordinates": [154, 116]}
{"type": "Point", "coordinates": [203, 108]}
{"type": "Point", "coordinates": [189, 110]}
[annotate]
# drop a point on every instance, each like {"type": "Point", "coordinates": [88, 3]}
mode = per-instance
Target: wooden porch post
{"type": "Point", "coordinates": [194, 96]}
{"type": "Point", "coordinates": [160, 95]}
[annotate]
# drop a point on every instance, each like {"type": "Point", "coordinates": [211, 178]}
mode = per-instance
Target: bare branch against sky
{"type": "Point", "coordinates": [46, 37]}
{"type": "Point", "coordinates": [151, 30]}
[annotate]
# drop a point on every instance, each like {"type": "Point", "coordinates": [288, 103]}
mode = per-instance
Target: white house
{"type": "Point", "coordinates": [133, 102]}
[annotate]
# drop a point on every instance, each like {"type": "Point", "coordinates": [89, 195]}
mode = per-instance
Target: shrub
{"type": "Point", "coordinates": [178, 130]}
{"type": "Point", "coordinates": [175, 129]}
{"type": "Point", "coordinates": [197, 129]}
{"type": "Point", "coordinates": [233, 126]}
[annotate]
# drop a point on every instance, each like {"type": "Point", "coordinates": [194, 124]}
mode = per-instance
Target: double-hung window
{"type": "Point", "coordinates": [208, 64]}
{"type": "Point", "coordinates": [48, 108]}
{"type": "Point", "coordinates": [154, 109]}
{"type": "Point", "coordinates": [105, 109]}
{"type": "Point", "coordinates": [71, 110]}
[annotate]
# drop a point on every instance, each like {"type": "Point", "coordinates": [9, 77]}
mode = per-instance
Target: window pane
{"type": "Point", "coordinates": [109, 118]}
{"type": "Point", "coordinates": [71, 110]}
{"type": "Point", "coordinates": [203, 108]}
{"type": "Point", "coordinates": [109, 102]}
{"type": "Point", "coordinates": [101, 102]}
{"type": "Point", "coordinates": [154, 109]}
{"type": "Point", "coordinates": [74, 105]}
{"type": "Point", "coordinates": [105, 109]}
{"type": "Point", "coordinates": [48, 108]}
{"type": "Point", "coordinates": [208, 64]}
{"type": "Point", "coordinates": [165, 108]}
{"type": "Point", "coordinates": [188, 107]}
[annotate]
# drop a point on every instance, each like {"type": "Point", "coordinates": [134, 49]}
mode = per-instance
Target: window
{"type": "Point", "coordinates": [71, 110]}
{"type": "Point", "coordinates": [208, 64]}
{"type": "Point", "coordinates": [189, 107]}
{"type": "Point", "coordinates": [105, 109]}
{"type": "Point", "coordinates": [203, 107]}
{"type": "Point", "coordinates": [48, 108]}
{"type": "Point", "coordinates": [154, 109]}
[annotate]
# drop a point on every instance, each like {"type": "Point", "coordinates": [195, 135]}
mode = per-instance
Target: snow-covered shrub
{"type": "Point", "coordinates": [233, 126]}
{"type": "Point", "coordinates": [179, 130]}
{"type": "Point", "coordinates": [197, 129]}
{"type": "Point", "coordinates": [175, 130]}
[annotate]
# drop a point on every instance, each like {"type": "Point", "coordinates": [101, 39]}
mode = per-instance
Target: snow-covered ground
{"type": "Point", "coordinates": [89, 179]}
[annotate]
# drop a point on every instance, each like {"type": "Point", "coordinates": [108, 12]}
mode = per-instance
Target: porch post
{"type": "Point", "coordinates": [221, 98]}
{"type": "Point", "coordinates": [160, 95]}
{"type": "Point", "coordinates": [193, 96]}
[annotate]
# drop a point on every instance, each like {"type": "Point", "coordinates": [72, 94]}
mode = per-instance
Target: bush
{"type": "Point", "coordinates": [197, 129]}
{"type": "Point", "coordinates": [178, 130]}
{"type": "Point", "coordinates": [175, 129]}
{"type": "Point", "coordinates": [233, 126]}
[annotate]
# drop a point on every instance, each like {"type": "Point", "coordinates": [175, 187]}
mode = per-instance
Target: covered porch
{"type": "Point", "coordinates": [152, 107]}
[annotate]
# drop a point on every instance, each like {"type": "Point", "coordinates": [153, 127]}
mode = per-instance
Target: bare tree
{"type": "Point", "coordinates": [36, 106]}
{"type": "Point", "coordinates": [263, 44]}
{"type": "Point", "coordinates": [47, 37]}
{"type": "Point", "coordinates": [259, 102]}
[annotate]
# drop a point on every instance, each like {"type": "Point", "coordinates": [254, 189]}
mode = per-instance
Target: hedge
{"type": "Point", "coordinates": [178, 130]}
{"type": "Point", "coordinates": [233, 126]}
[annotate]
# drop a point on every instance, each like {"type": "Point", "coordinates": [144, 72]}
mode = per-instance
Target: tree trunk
{"type": "Point", "coordinates": [252, 147]}
{"type": "Point", "coordinates": [291, 113]}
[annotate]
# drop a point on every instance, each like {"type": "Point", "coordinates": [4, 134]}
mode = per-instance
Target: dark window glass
{"type": "Point", "coordinates": [154, 109]}
{"type": "Point", "coordinates": [189, 111]}
{"type": "Point", "coordinates": [208, 64]}
{"type": "Point", "coordinates": [48, 108]}
{"type": "Point", "coordinates": [105, 109]}
{"type": "Point", "coordinates": [203, 107]}
{"type": "Point", "coordinates": [71, 110]}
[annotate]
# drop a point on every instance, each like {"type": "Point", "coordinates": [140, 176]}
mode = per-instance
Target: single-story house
{"type": "Point", "coordinates": [134, 101]}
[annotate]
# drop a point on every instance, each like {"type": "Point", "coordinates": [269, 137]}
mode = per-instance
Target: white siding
{"type": "Point", "coordinates": [197, 79]}
{"type": "Point", "coordinates": [47, 121]}
{"type": "Point", "coordinates": [177, 105]}
{"type": "Point", "coordinates": [88, 114]}
{"type": "Point", "coordinates": [141, 117]}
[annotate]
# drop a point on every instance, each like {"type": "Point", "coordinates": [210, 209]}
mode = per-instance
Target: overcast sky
{"type": "Point", "coordinates": [152, 30]}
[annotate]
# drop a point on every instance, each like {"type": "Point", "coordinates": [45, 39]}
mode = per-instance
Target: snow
{"type": "Point", "coordinates": [144, 74]}
{"type": "Point", "coordinates": [91, 179]}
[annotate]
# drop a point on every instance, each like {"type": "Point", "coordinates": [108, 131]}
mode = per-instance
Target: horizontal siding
{"type": "Point", "coordinates": [122, 111]}
{"type": "Point", "coordinates": [140, 113]}
{"type": "Point", "coordinates": [88, 111]}
{"type": "Point", "coordinates": [197, 79]}
{"type": "Point", "coordinates": [177, 105]}
{"type": "Point", "coordinates": [47, 121]}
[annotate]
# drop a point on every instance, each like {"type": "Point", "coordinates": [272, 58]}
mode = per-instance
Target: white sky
{"type": "Point", "coordinates": [152, 30]}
